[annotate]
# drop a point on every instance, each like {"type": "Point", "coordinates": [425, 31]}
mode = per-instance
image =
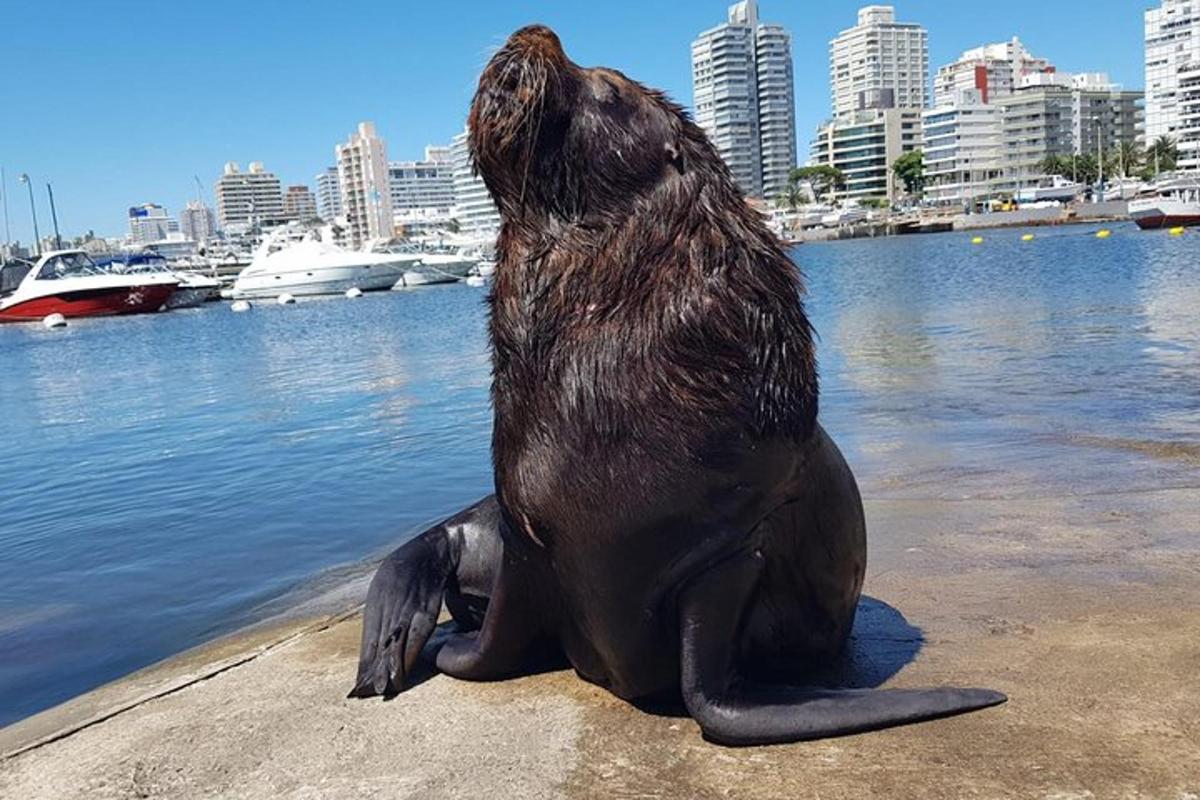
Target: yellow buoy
{"type": "Point", "coordinates": [977, 240]}
{"type": "Point", "coordinates": [1104, 234]}
{"type": "Point", "coordinates": [1176, 231]}
{"type": "Point", "coordinates": [1027, 237]}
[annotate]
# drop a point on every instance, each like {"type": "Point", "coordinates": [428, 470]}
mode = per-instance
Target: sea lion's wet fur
{"type": "Point", "coordinates": [668, 511]}
{"type": "Point", "coordinates": [634, 277]}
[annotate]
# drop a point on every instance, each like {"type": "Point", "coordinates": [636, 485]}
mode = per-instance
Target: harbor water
{"type": "Point", "coordinates": [168, 478]}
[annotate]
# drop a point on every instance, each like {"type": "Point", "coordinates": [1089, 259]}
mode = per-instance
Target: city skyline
{"type": "Point", "coordinates": [292, 116]}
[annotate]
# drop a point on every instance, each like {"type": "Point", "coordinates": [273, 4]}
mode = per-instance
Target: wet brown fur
{"type": "Point", "coordinates": [643, 315]}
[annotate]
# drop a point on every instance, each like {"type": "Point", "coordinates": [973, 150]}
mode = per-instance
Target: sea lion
{"type": "Point", "coordinates": [668, 514]}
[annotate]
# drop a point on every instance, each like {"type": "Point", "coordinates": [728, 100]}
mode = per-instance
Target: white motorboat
{"type": "Point", "coordinates": [444, 266]}
{"type": "Point", "coordinates": [1058, 190]}
{"type": "Point", "coordinates": [1172, 203]}
{"type": "Point", "coordinates": [845, 216]}
{"type": "Point", "coordinates": [194, 289]}
{"type": "Point", "coordinates": [69, 283]}
{"type": "Point", "coordinates": [313, 267]}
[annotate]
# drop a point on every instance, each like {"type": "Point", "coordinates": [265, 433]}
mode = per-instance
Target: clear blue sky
{"type": "Point", "coordinates": [120, 102]}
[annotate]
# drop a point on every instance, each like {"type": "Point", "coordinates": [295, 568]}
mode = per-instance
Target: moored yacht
{"type": "Point", "coordinates": [1055, 189]}
{"type": "Point", "coordinates": [312, 267]}
{"type": "Point", "coordinates": [1169, 204]}
{"type": "Point", "coordinates": [194, 289]}
{"type": "Point", "coordinates": [68, 282]}
{"type": "Point", "coordinates": [444, 265]}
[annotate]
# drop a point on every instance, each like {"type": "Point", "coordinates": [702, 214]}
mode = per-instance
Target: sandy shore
{"type": "Point", "coordinates": [1084, 610]}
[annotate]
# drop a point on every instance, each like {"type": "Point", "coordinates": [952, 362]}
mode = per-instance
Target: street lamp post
{"type": "Point", "coordinates": [54, 216]}
{"type": "Point", "coordinates": [37, 237]}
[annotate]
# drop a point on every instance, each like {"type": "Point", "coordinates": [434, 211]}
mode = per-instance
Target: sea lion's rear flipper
{"type": "Point", "coordinates": [733, 711]}
{"type": "Point", "coordinates": [455, 560]}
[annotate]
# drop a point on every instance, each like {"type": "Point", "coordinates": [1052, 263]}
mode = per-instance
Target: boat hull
{"type": "Point", "coordinates": [330, 280]}
{"type": "Point", "coordinates": [1153, 221]}
{"type": "Point", "coordinates": [99, 302]}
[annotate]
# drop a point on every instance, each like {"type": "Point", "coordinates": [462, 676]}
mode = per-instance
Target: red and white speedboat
{"type": "Point", "coordinates": [68, 282]}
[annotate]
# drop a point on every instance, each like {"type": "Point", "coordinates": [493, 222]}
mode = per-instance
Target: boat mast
{"type": "Point", "coordinates": [54, 216]}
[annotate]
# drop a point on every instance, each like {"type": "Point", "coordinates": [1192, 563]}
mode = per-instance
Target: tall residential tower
{"type": "Point", "coordinates": [879, 63]}
{"type": "Point", "coordinates": [366, 195]}
{"type": "Point", "coordinates": [744, 98]}
{"type": "Point", "coordinates": [1173, 77]}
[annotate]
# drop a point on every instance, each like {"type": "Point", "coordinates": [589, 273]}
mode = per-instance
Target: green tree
{"type": "Point", "coordinates": [1125, 159]}
{"type": "Point", "coordinates": [1083, 169]}
{"type": "Point", "coordinates": [824, 178]}
{"type": "Point", "coordinates": [792, 197]}
{"type": "Point", "coordinates": [1162, 156]}
{"type": "Point", "coordinates": [910, 168]}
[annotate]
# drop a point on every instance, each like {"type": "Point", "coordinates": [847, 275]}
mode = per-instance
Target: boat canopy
{"type": "Point", "coordinates": [11, 275]}
{"type": "Point", "coordinates": [69, 264]}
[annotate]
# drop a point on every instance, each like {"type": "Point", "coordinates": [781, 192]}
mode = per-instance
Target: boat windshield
{"type": "Point", "coordinates": [67, 265]}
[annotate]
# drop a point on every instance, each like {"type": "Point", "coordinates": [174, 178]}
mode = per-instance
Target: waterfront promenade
{"type": "Point", "coordinates": [1097, 651]}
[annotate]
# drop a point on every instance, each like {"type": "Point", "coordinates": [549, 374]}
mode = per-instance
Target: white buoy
{"type": "Point", "coordinates": [285, 299]}
{"type": "Point", "coordinates": [240, 305]}
{"type": "Point", "coordinates": [55, 321]}
{"type": "Point", "coordinates": [476, 280]}
{"type": "Point", "coordinates": [353, 291]}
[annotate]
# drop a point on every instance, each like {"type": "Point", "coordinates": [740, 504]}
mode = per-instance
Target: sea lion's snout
{"type": "Point", "coordinates": [536, 40]}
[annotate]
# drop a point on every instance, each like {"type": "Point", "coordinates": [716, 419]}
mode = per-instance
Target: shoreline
{"type": "Point", "coordinates": [1032, 218]}
{"type": "Point", "coordinates": [1094, 642]}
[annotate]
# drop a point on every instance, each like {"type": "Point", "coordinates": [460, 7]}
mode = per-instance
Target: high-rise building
{"type": "Point", "coordinates": [473, 207]}
{"type": "Point", "coordinates": [864, 145]}
{"type": "Point", "coordinates": [248, 197]}
{"type": "Point", "coordinates": [329, 195]}
{"type": "Point", "coordinates": [1037, 124]}
{"type": "Point", "coordinates": [1103, 115]}
{"type": "Point", "coordinates": [299, 203]}
{"type": "Point", "coordinates": [744, 99]}
{"type": "Point", "coordinates": [363, 176]}
{"type": "Point", "coordinates": [1173, 77]}
{"type": "Point", "coordinates": [426, 184]}
{"type": "Point", "coordinates": [879, 63]}
{"type": "Point", "coordinates": [197, 222]}
{"type": "Point", "coordinates": [993, 69]}
{"type": "Point", "coordinates": [150, 222]}
{"type": "Point", "coordinates": [964, 150]}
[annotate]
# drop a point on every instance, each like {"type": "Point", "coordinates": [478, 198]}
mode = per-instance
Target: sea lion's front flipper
{"type": "Point", "coordinates": [455, 560]}
{"type": "Point", "coordinates": [733, 711]}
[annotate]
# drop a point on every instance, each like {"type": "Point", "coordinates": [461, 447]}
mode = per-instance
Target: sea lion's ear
{"type": "Point", "coordinates": [675, 156]}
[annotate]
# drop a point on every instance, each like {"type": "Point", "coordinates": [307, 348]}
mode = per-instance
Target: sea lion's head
{"type": "Point", "coordinates": [551, 138]}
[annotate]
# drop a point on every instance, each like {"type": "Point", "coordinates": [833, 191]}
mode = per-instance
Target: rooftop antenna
{"type": "Point", "coordinates": [199, 190]}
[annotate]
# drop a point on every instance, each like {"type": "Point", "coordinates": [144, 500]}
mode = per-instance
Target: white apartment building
{"type": "Point", "coordinates": [1172, 63]}
{"type": "Point", "coordinates": [426, 184]}
{"type": "Point", "coordinates": [248, 197]}
{"type": "Point", "coordinates": [879, 63]}
{"type": "Point", "coordinates": [864, 145]}
{"type": "Point", "coordinates": [197, 222]}
{"type": "Point", "coordinates": [993, 69]}
{"type": "Point", "coordinates": [963, 147]}
{"type": "Point", "coordinates": [363, 177]}
{"type": "Point", "coordinates": [1037, 123]}
{"type": "Point", "coordinates": [1103, 115]}
{"type": "Point", "coordinates": [299, 203]}
{"type": "Point", "coordinates": [776, 107]}
{"type": "Point", "coordinates": [477, 215]}
{"type": "Point", "coordinates": [150, 222]}
{"type": "Point", "coordinates": [329, 195]}
{"type": "Point", "coordinates": [743, 97]}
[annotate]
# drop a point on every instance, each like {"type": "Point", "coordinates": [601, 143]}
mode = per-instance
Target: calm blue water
{"type": "Point", "coordinates": [164, 478]}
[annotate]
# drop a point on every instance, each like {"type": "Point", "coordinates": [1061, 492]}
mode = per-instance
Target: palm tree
{"type": "Point", "coordinates": [1128, 157]}
{"type": "Point", "coordinates": [1163, 155]}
